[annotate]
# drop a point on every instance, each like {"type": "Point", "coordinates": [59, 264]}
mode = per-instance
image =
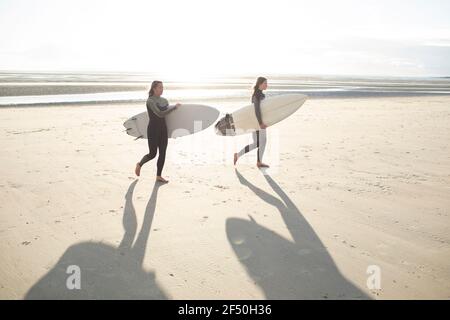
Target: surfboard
{"type": "Point", "coordinates": [273, 110]}
{"type": "Point", "coordinates": [185, 120]}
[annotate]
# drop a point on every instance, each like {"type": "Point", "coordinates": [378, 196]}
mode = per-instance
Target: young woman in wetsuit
{"type": "Point", "coordinates": [157, 108]}
{"type": "Point", "coordinates": [259, 136]}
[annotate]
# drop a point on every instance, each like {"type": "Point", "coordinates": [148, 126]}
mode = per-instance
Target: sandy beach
{"type": "Point", "coordinates": [355, 185]}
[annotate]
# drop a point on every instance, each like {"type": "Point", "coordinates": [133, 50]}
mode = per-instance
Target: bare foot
{"type": "Point", "coordinates": [235, 158]}
{"type": "Point", "coordinates": [138, 169]}
{"type": "Point", "coordinates": [161, 179]}
{"type": "Point", "coordinates": [262, 165]}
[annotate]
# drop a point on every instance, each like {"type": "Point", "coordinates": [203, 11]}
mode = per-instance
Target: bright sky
{"type": "Point", "coordinates": [191, 37]}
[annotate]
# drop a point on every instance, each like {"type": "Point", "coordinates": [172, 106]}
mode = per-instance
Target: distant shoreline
{"type": "Point", "coordinates": [43, 89]}
{"type": "Point", "coordinates": [239, 101]}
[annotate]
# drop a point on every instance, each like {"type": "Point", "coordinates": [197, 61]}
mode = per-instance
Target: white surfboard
{"type": "Point", "coordinates": [185, 120]}
{"type": "Point", "coordinates": [273, 110]}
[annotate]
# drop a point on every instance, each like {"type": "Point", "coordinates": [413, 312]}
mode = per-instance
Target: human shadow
{"type": "Point", "coordinates": [106, 272]}
{"type": "Point", "coordinates": [300, 268]}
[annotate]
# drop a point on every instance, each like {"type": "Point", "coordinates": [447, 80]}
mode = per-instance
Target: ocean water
{"type": "Point", "coordinates": [35, 89]}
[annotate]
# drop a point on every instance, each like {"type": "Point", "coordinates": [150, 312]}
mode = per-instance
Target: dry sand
{"type": "Point", "coordinates": [354, 184]}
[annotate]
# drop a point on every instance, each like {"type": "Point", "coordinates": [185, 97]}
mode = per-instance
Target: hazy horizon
{"type": "Point", "coordinates": [214, 75]}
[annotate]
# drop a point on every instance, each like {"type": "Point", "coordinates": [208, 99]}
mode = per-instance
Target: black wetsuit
{"type": "Point", "coordinates": [259, 136]}
{"type": "Point", "coordinates": [157, 108]}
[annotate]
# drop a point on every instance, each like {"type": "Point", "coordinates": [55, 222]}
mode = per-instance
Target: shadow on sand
{"type": "Point", "coordinates": [107, 272]}
{"type": "Point", "coordinates": [285, 269]}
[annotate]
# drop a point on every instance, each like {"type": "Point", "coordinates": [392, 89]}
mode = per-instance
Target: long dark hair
{"type": "Point", "coordinates": [152, 88]}
{"type": "Point", "coordinates": [259, 81]}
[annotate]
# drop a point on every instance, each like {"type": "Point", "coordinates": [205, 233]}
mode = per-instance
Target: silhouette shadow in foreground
{"type": "Point", "coordinates": [106, 272]}
{"type": "Point", "coordinates": [286, 269]}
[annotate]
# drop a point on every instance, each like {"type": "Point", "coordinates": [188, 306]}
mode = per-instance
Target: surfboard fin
{"type": "Point", "coordinates": [225, 126]}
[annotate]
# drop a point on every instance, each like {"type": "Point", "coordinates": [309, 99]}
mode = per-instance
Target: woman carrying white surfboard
{"type": "Point", "coordinates": [157, 108]}
{"type": "Point", "coordinates": [259, 136]}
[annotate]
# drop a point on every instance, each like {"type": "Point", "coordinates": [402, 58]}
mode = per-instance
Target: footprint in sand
{"type": "Point", "coordinates": [303, 252]}
{"type": "Point", "coordinates": [222, 187]}
{"type": "Point", "coordinates": [15, 185]}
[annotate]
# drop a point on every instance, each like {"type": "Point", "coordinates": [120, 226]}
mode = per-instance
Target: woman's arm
{"type": "Point", "coordinates": [160, 113]}
{"type": "Point", "coordinates": [258, 109]}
